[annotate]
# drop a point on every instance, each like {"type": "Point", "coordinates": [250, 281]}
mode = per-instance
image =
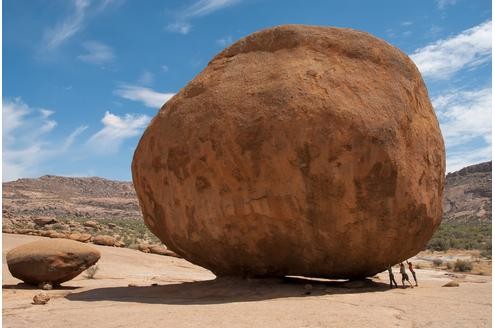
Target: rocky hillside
{"type": "Point", "coordinates": [468, 194]}
{"type": "Point", "coordinates": [71, 198]}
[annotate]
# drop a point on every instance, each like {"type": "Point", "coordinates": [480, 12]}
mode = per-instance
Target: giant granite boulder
{"type": "Point", "coordinates": [298, 150]}
{"type": "Point", "coordinates": [50, 261]}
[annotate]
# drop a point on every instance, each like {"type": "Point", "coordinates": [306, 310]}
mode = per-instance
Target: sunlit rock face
{"type": "Point", "coordinates": [298, 150]}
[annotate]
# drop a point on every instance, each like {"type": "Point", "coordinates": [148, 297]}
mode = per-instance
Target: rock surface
{"type": "Point", "coordinates": [41, 299]}
{"type": "Point", "coordinates": [106, 240]}
{"type": "Point", "coordinates": [50, 261]}
{"type": "Point", "coordinates": [298, 150]}
{"type": "Point", "coordinates": [451, 283]}
{"type": "Point", "coordinates": [468, 194]}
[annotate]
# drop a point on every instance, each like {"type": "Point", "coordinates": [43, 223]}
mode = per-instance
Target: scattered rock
{"type": "Point", "coordinates": [41, 299]}
{"type": "Point", "coordinates": [84, 237]}
{"type": "Point", "coordinates": [74, 236]}
{"type": "Point", "coordinates": [45, 286]}
{"type": "Point", "coordinates": [145, 248]}
{"type": "Point", "coordinates": [45, 233]}
{"type": "Point", "coordinates": [159, 249]}
{"type": "Point", "coordinates": [90, 224]}
{"type": "Point", "coordinates": [41, 222]}
{"type": "Point", "coordinates": [451, 283]}
{"type": "Point", "coordinates": [52, 260]}
{"type": "Point", "coordinates": [26, 231]}
{"type": "Point", "coordinates": [111, 225]}
{"type": "Point", "coordinates": [162, 250]}
{"type": "Point", "coordinates": [132, 285]}
{"type": "Point", "coordinates": [104, 240]}
{"type": "Point", "coordinates": [56, 234]}
{"type": "Point", "coordinates": [340, 118]}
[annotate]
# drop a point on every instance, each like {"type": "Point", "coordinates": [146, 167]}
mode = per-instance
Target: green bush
{"type": "Point", "coordinates": [461, 235]}
{"type": "Point", "coordinates": [463, 266]}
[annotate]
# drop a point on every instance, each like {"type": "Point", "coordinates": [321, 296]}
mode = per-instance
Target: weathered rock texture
{"type": "Point", "coordinates": [468, 194]}
{"type": "Point", "coordinates": [54, 261]}
{"type": "Point", "coordinates": [298, 150]}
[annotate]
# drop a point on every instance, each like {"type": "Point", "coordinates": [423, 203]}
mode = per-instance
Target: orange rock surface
{"type": "Point", "coordinates": [298, 150]}
{"type": "Point", "coordinates": [50, 261]}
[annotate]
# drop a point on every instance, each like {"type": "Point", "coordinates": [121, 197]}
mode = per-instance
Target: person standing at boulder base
{"type": "Point", "coordinates": [412, 271]}
{"type": "Point", "coordinates": [404, 275]}
{"type": "Point", "coordinates": [391, 276]}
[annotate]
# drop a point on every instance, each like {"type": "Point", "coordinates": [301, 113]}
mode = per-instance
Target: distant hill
{"type": "Point", "coordinates": [71, 198]}
{"type": "Point", "coordinates": [468, 194]}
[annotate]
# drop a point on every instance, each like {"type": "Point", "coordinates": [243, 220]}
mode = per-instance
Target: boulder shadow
{"type": "Point", "coordinates": [22, 285]}
{"type": "Point", "coordinates": [227, 290]}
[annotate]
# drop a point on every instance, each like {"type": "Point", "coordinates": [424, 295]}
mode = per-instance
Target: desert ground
{"type": "Point", "coordinates": [134, 289]}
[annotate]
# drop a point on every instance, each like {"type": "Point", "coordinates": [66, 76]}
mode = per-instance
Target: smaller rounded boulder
{"type": "Point", "coordinates": [54, 261]}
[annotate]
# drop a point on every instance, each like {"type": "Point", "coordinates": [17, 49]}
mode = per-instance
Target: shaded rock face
{"type": "Point", "coordinates": [298, 150]}
{"type": "Point", "coordinates": [54, 261]}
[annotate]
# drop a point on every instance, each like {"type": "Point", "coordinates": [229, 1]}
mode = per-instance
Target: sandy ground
{"type": "Point", "coordinates": [189, 296]}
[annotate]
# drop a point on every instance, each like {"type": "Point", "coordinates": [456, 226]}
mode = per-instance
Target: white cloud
{"type": "Point", "coordinates": [74, 21]}
{"type": "Point", "coordinates": [443, 58]}
{"type": "Point", "coordinates": [72, 137]}
{"type": "Point", "coordinates": [96, 53]}
{"type": "Point", "coordinates": [65, 29]}
{"type": "Point", "coordinates": [146, 77]}
{"type": "Point", "coordinates": [406, 23]}
{"type": "Point", "coordinates": [147, 96]}
{"type": "Point", "coordinates": [46, 112]}
{"type": "Point", "coordinates": [115, 130]}
{"type": "Point", "coordinates": [442, 4]}
{"type": "Point", "coordinates": [13, 114]}
{"type": "Point", "coordinates": [205, 7]}
{"type": "Point", "coordinates": [26, 139]}
{"type": "Point", "coordinates": [164, 68]}
{"type": "Point", "coordinates": [465, 120]}
{"type": "Point", "coordinates": [179, 27]}
{"type": "Point", "coordinates": [226, 41]}
{"type": "Point", "coordinates": [459, 159]}
{"type": "Point", "coordinates": [200, 8]}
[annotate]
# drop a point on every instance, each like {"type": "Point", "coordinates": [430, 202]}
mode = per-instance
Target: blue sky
{"type": "Point", "coordinates": [82, 78]}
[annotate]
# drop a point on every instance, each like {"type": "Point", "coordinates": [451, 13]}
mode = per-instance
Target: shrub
{"type": "Point", "coordinates": [91, 271]}
{"type": "Point", "coordinates": [57, 226]}
{"type": "Point", "coordinates": [486, 254]}
{"type": "Point", "coordinates": [463, 266]}
{"type": "Point", "coordinates": [449, 265]}
{"type": "Point", "coordinates": [437, 262]}
{"type": "Point", "coordinates": [438, 244]}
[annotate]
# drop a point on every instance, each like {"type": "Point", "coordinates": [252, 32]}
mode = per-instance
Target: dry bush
{"type": "Point", "coordinates": [437, 262]}
{"type": "Point", "coordinates": [463, 266]}
{"type": "Point", "coordinates": [91, 271]}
